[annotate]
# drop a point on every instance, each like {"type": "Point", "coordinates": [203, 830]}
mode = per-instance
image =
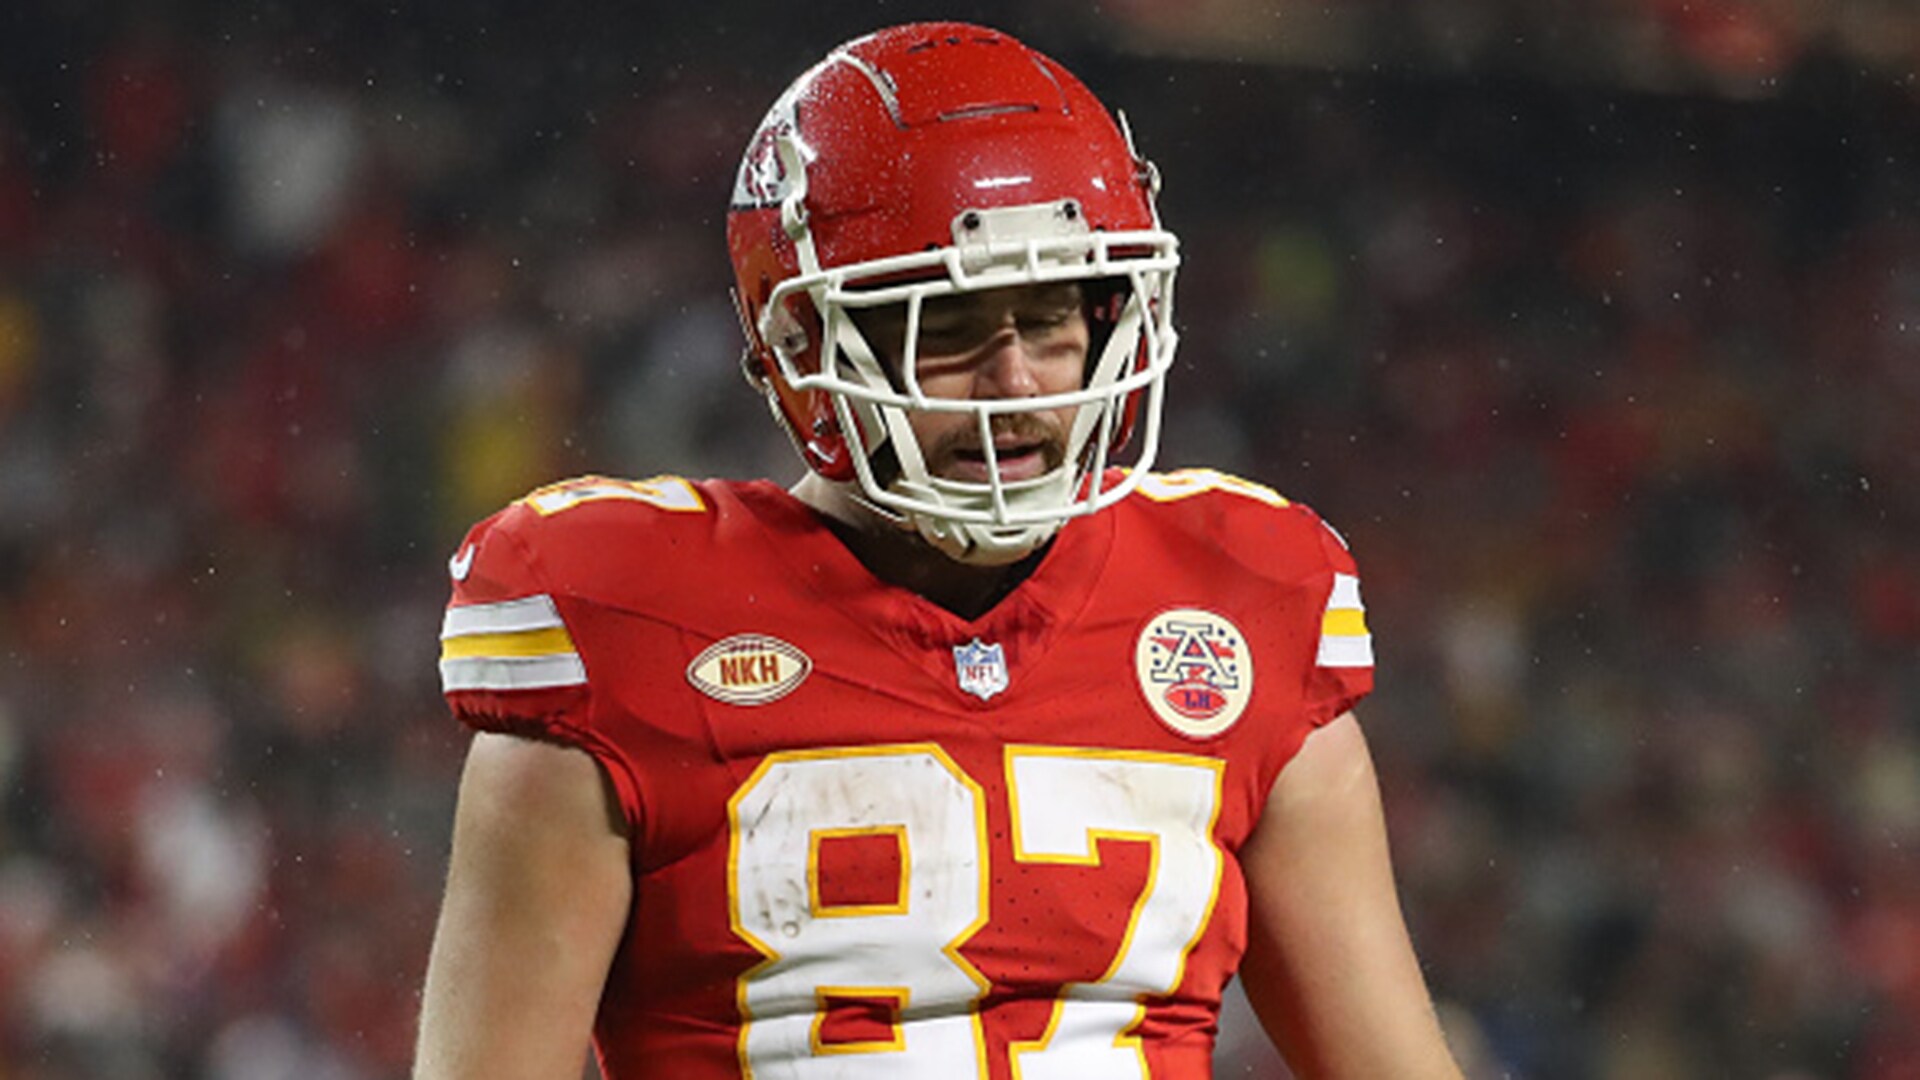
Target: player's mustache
{"type": "Point", "coordinates": [1026, 428]}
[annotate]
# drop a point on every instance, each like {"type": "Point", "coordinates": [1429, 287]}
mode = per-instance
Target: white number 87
{"type": "Point", "coordinates": [1062, 801]}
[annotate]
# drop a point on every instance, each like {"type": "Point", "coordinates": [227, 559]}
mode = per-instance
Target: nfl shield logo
{"type": "Point", "coordinates": [981, 669]}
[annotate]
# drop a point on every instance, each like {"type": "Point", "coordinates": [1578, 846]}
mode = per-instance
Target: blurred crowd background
{"type": "Point", "coordinates": [1594, 324]}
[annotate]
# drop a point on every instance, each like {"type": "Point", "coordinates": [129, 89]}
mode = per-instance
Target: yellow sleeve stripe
{"type": "Point", "coordinates": [548, 641]}
{"type": "Point", "coordinates": [1344, 622]}
{"type": "Point", "coordinates": [517, 644]}
{"type": "Point", "coordinates": [1344, 639]}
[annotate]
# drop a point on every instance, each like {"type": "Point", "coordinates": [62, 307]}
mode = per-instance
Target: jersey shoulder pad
{"type": "Point", "coordinates": [1254, 524]}
{"type": "Point", "coordinates": [595, 538]}
{"type": "Point", "coordinates": [1288, 554]}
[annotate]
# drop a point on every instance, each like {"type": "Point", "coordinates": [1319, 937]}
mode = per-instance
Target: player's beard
{"type": "Point", "coordinates": [1040, 431]}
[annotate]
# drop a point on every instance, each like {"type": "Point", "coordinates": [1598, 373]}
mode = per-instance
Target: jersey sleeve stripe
{"type": "Point", "coordinates": [512, 673]}
{"type": "Point", "coordinates": [551, 641]}
{"type": "Point", "coordinates": [1346, 593]}
{"type": "Point", "coordinates": [1344, 640]}
{"type": "Point", "coordinates": [1345, 622]}
{"type": "Point", "coordinates": [535, 612]}
{"type": "Point", "coordinates": [1346, 652]}
{"type": "Point", "coordinates": [509, 645]}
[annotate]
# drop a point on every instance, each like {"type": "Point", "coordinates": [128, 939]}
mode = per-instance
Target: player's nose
{"type": "Point", "coordinates": [1006, 368]}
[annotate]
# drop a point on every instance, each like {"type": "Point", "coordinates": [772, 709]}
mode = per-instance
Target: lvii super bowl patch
{"type": "Point", "coordinates": [1195, 671]}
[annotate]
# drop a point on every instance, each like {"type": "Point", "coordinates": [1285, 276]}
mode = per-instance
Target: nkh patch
{"type": "Point", "coordinates": [981, 669]}
{"type": "Point", "coordinates": [749, 669]}
{"type": "Point", "coordinates": [1195, 671]}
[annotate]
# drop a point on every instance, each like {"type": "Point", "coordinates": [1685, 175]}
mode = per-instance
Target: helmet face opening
{"type": "Point", "coordinates": [888, 187]}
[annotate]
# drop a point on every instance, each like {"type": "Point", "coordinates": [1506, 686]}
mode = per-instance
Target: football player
{"type": "Point", "coordinates": [984, 751]}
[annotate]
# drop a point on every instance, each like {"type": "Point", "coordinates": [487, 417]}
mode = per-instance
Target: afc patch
{"type": "Point", "coordinates": [1195, 671]}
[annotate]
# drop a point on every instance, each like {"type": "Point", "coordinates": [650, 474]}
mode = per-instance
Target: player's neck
{"type": "Point", "coordinates": [901, 558]}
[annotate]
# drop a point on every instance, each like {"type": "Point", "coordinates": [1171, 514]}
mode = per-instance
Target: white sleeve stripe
{"type": "Point", "coordinates": [512, 673]}
{"type": "Point", "coordinates": [1346, 652]}
{"type": "Point", "coordinates": [506, 617]}
{"type": "Point", "coordinates": [1345, 594]}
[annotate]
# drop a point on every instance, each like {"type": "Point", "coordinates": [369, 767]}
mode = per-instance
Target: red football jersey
{"type": "Point", "coordinates": [874, 839]}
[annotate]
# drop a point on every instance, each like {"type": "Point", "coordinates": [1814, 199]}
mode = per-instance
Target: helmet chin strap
{"type": "Point", "coordinates": [973, 543]}
{"type": "Point", "coordinates": [987, 545]}
{"type": "Point", "coordinates": [964, 542]}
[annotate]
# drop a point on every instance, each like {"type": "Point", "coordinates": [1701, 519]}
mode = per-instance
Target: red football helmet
{"type": "Point", "coordinates": [930, 159]}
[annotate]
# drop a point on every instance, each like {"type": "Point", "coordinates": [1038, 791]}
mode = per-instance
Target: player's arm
{"type": "Point", "coordinates": [538, 891]}
{"type": "Point", "coordinates": [1329, 967]}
